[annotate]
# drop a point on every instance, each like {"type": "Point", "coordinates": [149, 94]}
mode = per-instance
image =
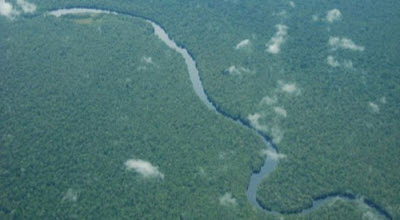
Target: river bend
{"type": "Point", "coordinates": [270, 163]}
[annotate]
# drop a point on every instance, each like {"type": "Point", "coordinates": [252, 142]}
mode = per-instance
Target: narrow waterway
{"type": "Point", "coordinates": [270, 163]}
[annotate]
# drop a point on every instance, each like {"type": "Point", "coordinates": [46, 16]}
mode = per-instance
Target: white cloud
{"type": "Point", "coordinates": [242, 44]}
{"type": "Point", "coordinates": [273, 154]}
{"type": "Point", "coordinates": [7, 10]}
{"type": "Point", "coordinates": [71, 196]}
{"type": "Point", "coordinates": [273, 46]}
{"type": "Point", "coordinates": [290, 88]}
{"type": "Point", "coordinates": [146, 169]}
{"type": "Point", "coordinates": [233, 70]}
{"type": "Point", "coordinates": [315, 18]}
{"type": "Point", "coordinates": [254, 122]}
{"type": "Point", "coordinates": [374, 107]}
{"type": "Point", "coordinates": [227, 200]}
{"type": "Point", "coordinates": [280, 111]}
{"type": "Point", "coordinates": [147, 60]}
{"type": "Point", "coordinates": [26, 6]}
{"type": "Point", "coordinates": [348, 64]}
{"type": "Point", "coordinates": [277, 134]}
{"type": "Point", "coordinates": [383, 100]}
{"type": "Point", "coordinates": [292, 4]}
{"type": "Point", "coordinates": [333, 15]}
{"type": "Point", "coordinates": [269, 100]}
{"type": "Point", "coordinates": [332, 61]}
{"type": "Point", "coordinates": [222, 155]}
{"type": "Point", "coordinates": [202, 172]}
{"type": "Point", "coordinates": [369, 215]}
{"type": "Point", "coordinates": [344, 43]}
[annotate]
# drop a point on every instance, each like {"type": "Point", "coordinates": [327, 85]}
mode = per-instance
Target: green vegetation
{"type": "Point", "coordinates": [79, 100]}
{"type": "Point", "coordinates": [334, 138]}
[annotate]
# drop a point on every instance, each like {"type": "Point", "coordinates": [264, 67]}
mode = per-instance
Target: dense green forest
{"type": "Point", "coordinates": [79, 97]}
{"type": "Point", "coordinates": [79, 100]}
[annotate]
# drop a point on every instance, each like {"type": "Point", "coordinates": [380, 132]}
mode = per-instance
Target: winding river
{"type": "Point", "coordinates": [270, 163]}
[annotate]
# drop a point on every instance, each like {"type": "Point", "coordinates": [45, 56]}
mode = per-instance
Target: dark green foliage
{"type": "Point", "coordinates": [78, 100]}
{"type": "Point", "coordinates": [333, 141]}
